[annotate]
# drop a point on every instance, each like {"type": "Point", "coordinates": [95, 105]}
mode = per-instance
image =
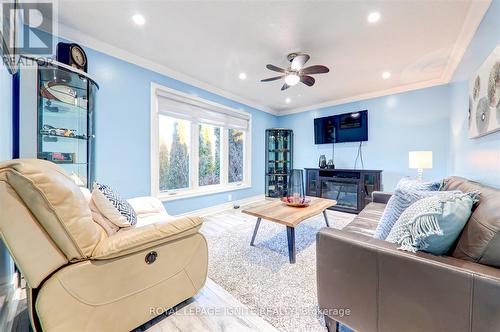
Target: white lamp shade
{"type": "Point", "coordinates": [420, 159]}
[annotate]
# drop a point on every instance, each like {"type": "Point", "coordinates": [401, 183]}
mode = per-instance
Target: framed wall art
{"type": "Point", "coordinates": [484, 97]}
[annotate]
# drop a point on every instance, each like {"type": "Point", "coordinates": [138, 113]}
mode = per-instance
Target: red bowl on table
{"type": "Point", "coordinates": [296, 201]}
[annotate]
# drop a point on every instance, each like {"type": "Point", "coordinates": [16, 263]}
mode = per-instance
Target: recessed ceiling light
{"type": "Point", "coordinates": [138, 19]}
{"type": "Point", "coordinates": [386, 75]}
{"type": "Point", "coordinates": [242, 76]}
{"type": "Point", "coordinates": [374, 17]}
{"type": "Point", "coordinates": [288, 100]}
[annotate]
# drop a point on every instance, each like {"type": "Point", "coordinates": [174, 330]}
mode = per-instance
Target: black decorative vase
{"type": "Point", "coordinates": [322, 161]}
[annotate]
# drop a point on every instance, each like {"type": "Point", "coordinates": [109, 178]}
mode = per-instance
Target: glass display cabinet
{"type": "Point", "coordinates": [56, 118]}
{"type": "Point", "coordinates": [279, 161]}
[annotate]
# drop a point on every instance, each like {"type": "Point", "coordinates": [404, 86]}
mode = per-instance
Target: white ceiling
{"type": "Point", "coordinates": [208, 43]}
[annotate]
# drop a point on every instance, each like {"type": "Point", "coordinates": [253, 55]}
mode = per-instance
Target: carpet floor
{"type": "Point", "coordinates": [261, 277]}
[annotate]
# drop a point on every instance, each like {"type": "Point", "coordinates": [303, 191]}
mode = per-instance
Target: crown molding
{"type": "Point", "coordinates": [473, 19]}
{"type": "Point", "coordinates": [103, 47]}
{"type": "Point", "coordinates": [365, 96]}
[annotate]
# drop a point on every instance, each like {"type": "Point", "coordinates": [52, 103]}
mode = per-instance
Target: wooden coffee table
{"type": "Point", "coordinates": [278, 212]}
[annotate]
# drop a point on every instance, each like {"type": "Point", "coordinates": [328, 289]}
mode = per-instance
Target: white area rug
{"type": "Point", "coordinates": [261, 277]}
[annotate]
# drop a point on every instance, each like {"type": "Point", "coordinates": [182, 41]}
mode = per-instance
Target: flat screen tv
{"type": "Point", "coordinates": [348, 127]}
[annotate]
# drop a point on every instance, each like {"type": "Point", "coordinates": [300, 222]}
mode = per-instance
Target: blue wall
{"type": "Point", "coordinates": [427, 119]}
{"type": "Point", "coordinates": [477, 159]}
{"type": "Point", "coordinates": [399, 123]}
{"type": "Point", "coordinates": [123, 131]}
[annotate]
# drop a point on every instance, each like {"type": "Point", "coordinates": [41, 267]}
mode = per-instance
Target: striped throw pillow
{"type": "Point", "coordinates": [407, 192]}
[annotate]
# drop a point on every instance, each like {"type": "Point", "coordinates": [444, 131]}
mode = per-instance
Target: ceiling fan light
{"type": "Point", "coordinates": [292, 79]}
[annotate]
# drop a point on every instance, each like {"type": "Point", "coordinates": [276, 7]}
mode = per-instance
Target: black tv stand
{"type": "Point", "coordinates": [351, 188]}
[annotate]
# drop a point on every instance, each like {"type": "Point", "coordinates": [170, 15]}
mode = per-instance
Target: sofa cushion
{"type": "Point", "coordinates": [480, 239]}
{"type": "Point", "coordinates": [367, 220]}
{"type": "Point", "coordinates": [432, 224]}
{"type": "Point", "coordinates": [407, 192]}
{"type": "Point", "coordinates": [57, 203]}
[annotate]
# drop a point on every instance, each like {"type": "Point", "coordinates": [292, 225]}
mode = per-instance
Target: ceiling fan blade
{"type": "Point", "coordinates": [272, 78]}
{"type": "Point", "coordinates": [285, 86]}
{"type": "Point", "coordinates": [274, 68]}
{"type": "Point", "coordinates": [299, 61]}
{"type": "Point", "coordinates": [307, 80]}
{"type": "Point", "coordinates": [317, 69]}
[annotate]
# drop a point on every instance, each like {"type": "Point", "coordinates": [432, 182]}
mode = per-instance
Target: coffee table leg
{"type": "Point", "coordinates": [326, 218]}
{"type": "Point", "coordinates": [257, 224]}
{"type": "Point", "coordinates": [290, 234]}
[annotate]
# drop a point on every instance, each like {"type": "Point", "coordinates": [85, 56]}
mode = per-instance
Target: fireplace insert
{"type": "Point", "coordinates": [352, 189]}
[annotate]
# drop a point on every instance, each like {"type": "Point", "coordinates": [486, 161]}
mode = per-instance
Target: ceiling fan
{"type": "Point", "coordinates": [296, 72]}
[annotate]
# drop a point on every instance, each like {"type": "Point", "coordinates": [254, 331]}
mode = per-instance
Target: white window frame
{"type": "Point", "coordinates": [194, 189]}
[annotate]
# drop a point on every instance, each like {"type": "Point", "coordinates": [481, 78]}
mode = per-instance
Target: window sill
{"type": "Point", "coordinates": [165, 197]}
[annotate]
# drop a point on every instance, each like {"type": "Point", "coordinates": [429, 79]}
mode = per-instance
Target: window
{"type": "Point", "coordinates": [209, 155]}
{"type": "Point", "coordinates": [235, 140]}
{"type": "Point", "coordinates": [198, 147]}
{"type": "Point", "coordinates": [175, 143]}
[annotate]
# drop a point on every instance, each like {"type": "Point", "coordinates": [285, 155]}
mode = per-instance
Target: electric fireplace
{"type": "Point", "coordinates": [352, 189]}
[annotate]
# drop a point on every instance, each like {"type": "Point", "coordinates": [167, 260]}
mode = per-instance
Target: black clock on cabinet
{"type": "Point", "coordinates": [73, 55]}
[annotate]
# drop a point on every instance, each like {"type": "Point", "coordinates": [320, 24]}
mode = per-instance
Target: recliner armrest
{"type": "Point", "coordinates": [132, 240]}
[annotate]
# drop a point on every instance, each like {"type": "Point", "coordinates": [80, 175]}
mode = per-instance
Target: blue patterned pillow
{"type": "Point", "coordinates": [407, 183]}
{"type": "Point", "coordinates": [121, 205]}
{"type": "Point", "coordinates": [407, 192]}
{"type": "Point", "coordinates": [434, 223]}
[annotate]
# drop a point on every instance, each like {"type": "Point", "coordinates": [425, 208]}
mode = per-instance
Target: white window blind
{"type": "Point", "coordinates": [203, 112]}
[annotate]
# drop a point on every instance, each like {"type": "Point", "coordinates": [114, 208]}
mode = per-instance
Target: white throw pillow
{"type": "Point", "coordinates": [108, 209]}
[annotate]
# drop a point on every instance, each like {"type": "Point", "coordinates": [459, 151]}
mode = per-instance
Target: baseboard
{"type": "Point", "coordinates": [223, 207]}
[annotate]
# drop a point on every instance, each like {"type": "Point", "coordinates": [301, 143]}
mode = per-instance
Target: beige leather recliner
{"type": "Point", "coordinates": [78, 278]}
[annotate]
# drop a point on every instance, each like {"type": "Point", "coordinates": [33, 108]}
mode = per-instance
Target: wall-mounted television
{"type": "Point", "coordinates": [348, 127]}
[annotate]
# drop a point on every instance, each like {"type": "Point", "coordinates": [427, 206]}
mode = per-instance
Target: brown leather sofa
{"type": "Point", "coordinates": [78, 277]}
{"type": "Point", "coordinates": [370, 285]}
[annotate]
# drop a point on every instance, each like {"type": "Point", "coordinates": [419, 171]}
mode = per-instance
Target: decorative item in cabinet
{"type": "Point", "coordinates": [279, 161]}
{"type": "Point", "coordinates": [56, 112]}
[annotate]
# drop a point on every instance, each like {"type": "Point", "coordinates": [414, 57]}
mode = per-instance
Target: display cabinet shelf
{"type": "Point", "coordinates": [56, 118]}
{"type": "Point", "coordinates": [62, 74]}
{"type": "Point", "coordinates": [60, 107]}
{"type": "Point", "coordinates": [279, 147]}
{"type": "Point", "coordinates": [61, 136]}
